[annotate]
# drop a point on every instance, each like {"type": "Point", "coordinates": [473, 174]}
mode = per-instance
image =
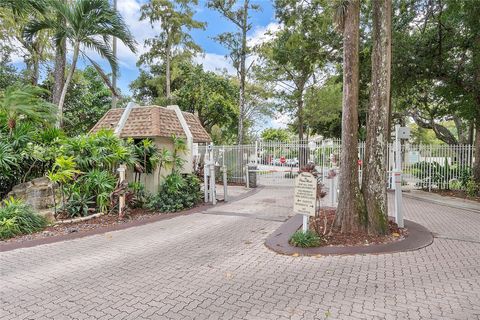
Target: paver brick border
{"type": "Point", "coordinates": [8, 246]}
{"type": "Point", "coordinates": [418, 237]}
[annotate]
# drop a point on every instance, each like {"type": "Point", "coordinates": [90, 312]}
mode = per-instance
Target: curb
{"type": "Point", "coordinates": [418, 237]}
{"type": "Point", "coordinates": [8, 246]}
{"type": "Point", "coordinates": [439, 202]}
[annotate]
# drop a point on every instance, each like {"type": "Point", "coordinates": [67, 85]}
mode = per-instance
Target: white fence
{"type": "Point", "coordinates": [277, 163]}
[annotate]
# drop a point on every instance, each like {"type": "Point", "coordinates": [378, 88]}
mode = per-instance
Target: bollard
{"type": "Point", "coordinates": [252, 176]}
{"type": "Point", "coordinates": [398, 199]}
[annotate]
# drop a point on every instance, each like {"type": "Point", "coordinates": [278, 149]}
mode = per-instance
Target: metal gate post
{"type": "Point", "coordinates": [206, 168]}
{"type": "Point", "coordinates": [247, 176]}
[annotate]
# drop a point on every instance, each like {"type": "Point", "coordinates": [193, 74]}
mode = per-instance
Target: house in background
{"type": "Point", "coordinates": [158, 124]}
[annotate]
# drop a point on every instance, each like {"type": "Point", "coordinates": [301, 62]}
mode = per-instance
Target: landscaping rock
{"type": "Point", "coordinates": [37, 193]}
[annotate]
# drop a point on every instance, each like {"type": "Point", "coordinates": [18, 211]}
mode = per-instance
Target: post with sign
{"type": "Point", "coordinates": [400, 133]}
{"type": "Point", "coordinates": [305, 198]}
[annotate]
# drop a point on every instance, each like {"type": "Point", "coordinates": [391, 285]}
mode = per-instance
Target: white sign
{"type": "Point", "coordinates": [305, 194]}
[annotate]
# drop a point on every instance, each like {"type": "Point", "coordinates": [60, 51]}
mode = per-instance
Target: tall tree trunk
{"type": "Point", "coordinates": [476, 165]}
{"type": "Point", "coordinates": [35, 69]}
{"type": "Point", "coordinates": [76, 50]}
{"type": "Point", "coordinates": [476, 63]}
{"type": "Point", "coordinates": [302, 157]}
{"type": "Point", "coordinates": [59, 69]}
{"type": "Point", "coordinates": [167, 70]}
{"type": "Point", "coordinates": [350, 209]}
{"type": "Point", "coordinates": [243, 57]}
{"type": "Point", "coordinates": [374, 178]}
{"type": "Point", "coordinates": [114, 72]}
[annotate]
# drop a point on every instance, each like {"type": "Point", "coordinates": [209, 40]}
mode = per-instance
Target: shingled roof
{"type": "Point", "coordinates": [152, 121]}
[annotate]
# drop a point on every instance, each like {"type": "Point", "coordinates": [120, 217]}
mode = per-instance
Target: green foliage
{"type": "Point", "coordinates": [102, 150]}
{"type": "Point", "coordinates": [472, 188]}
{"type": "Point", "coordinates": [176, 193]}
{"type": "Point", "coordinates": [323, 109]}
{"type": "Point", "coordinates": [17, 218]}
{"type": "Point", "coordinates": [99, 185]}
{"type": "Point", "coordinates": [147, 154]}
{"type": "Point", "coordinates": [212, 96]}
{"type": "Point", "coordinates": [87, 100]}
{"type": "Point", "coordinates": [78, 205]}
{"type": "Point", "coordinates": [305, 239]}
{"type": "Point", "coordinates": [24, 103]}
{"type": "Point", "coordinates": [275, 134]}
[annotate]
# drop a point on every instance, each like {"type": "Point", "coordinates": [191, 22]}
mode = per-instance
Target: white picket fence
{"type": "Point", "coordinates": [277, 163]}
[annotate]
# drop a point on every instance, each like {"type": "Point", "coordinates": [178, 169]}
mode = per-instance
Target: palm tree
{"type": "Point", "coordinates": [87, 25]}
{"type": "Point", "coordinates": [25, 103]}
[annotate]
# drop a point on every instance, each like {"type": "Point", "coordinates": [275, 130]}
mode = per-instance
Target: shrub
{"type": "Point", "coordinates": [176, 193]}
{"type": "Point", "coordinates": [78, 205]}
{"type": "Point", "coordinates": [305, 239]}
{"type": "Point", "coordinates": [18, 218]}
{"type": "Point", "coordinates": [471, 188]}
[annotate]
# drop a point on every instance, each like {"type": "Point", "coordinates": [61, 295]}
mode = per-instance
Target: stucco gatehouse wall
{"type": "Point", "coordinates": [158, 124]}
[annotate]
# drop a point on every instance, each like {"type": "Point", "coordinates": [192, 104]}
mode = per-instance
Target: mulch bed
{"type": "Point", "coordinates": [333, 236]}
{"type": "Point", "coordinates": [86, 226]}
{"type": "Point", "coordinates": [457, 194]}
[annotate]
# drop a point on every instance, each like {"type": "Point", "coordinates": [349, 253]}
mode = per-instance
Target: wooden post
{"type": "Point", "coordinates": [121, 201]}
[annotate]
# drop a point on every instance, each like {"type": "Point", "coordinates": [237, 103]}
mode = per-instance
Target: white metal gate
{"type": "Point", "coordinates": [277, 163]}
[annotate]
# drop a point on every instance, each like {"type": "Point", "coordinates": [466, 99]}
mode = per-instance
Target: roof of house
{"type": "Point", "coordinates": [152, 121]}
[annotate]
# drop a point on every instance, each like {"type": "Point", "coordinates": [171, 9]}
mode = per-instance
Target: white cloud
{"type": "Point", "coordinates": [263, 33]}
{"type": "Point", "coordinates": [141, 30]}
{"type": "Point", "coordinates": [216, 63]}
{"type": "Point", "coordinates": [280, 121]}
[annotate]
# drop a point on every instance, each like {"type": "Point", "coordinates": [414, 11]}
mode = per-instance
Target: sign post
{"type": "Point", "coordinates": [400, 133]}
{"type": "Point", "coordinates": [305, 198]}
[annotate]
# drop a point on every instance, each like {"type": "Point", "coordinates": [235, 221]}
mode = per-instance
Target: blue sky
{"type": "Point", "coordinates": [214, 52]}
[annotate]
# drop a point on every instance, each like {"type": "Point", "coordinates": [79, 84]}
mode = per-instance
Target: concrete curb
{"type": "Point", "coordinates": [440, 202]}
{"type": "Point", "coordinates": [418, 237]}
{"type": "Point", "coordinates": [12, 245]}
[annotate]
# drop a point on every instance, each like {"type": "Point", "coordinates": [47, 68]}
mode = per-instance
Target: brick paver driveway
{"type": "Point", "coordinates": [214, 265]}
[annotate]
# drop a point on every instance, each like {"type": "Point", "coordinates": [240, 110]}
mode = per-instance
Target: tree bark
{"type": "Point", "coordinates": [476, 165]}
{"type": "Point", "coordinates": [374, 178]}
{"type": "Point", "coordinates": [59, 70]}
{"type": "Point", "coordinates": [167, 71]}
{"type": "Point", "coordinates": [476, 63]}
{"type": "Point", "coordinates": [243, 57]}
{"type": "Point", "coordinates": [302, 157]}
{"type": "Point", "coordinates": [76, 50]}
{"type": "Point", "coordinates": [350, 211]}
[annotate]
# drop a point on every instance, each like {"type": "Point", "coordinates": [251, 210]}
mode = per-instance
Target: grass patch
{"type": "Point", "coordinates": [305, 240]}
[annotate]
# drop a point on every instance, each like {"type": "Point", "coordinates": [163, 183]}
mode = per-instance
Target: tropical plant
{"type": "Point", "coordinates": [179, 148]}
{"type": "Point", "coordinates": [85, 24]}
{"type": "Point", "coordinates": [78, 204]}
{"type": "Point", "coordinates": [148, 157]}
{"type": "Point", "coordinates": [25, 103]}
{"type": "Point", "coordinates": [18, 218]}
{"type": "Point", "coordinates": [63, 171]}
{"type": "Point", "coordinates": [102, 150]}
{"type": "Point", "coordinates": [176, 193]}
{"type": "Point", "coordinates": [305, 239]}
{"type": "Point", "coordinates": [99, 185]}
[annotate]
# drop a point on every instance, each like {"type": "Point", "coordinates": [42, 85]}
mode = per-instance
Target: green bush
{"type": "Point", "coordinates": [471, 188]}
{"type": "Point", "coordinates": [18, 218]}
{"type": "Point", "coordinates": [78, 205]}
{"type": "Point", "coordinates": [176, 193]}
{"type": "Point", "coordinates": [305, 240]}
